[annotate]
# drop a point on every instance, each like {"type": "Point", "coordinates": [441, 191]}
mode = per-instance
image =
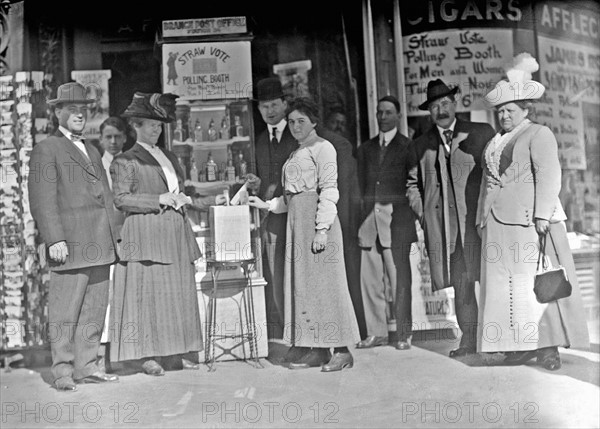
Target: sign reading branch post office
{"type": "Point", "coordinates": [207, 71]}
{"type": "Point", "coordinates": [204, 26]}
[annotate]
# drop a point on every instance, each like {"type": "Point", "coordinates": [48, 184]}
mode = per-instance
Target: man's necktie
{"type": "Point", "coordinates": [448, 135]}
{"type": "Point", "coordinates": [382, 150]}
{"type": "Point", "coordinates": [274, 138]}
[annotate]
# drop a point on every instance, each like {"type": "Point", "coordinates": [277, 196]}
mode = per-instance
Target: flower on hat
{"type": "Point", "coordinates": [522, 67]}
{"type": "Point", "coordinates": [520, 84]}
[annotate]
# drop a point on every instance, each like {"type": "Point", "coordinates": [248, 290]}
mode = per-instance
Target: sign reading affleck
{"type": "Point", "coordinates": [208, 71]}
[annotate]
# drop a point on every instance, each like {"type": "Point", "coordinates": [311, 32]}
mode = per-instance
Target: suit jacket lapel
{"type": "Point", "coordinates": [78, 156]}
{"type": "Point", "coordinates": [459, 135]}
{"type": "Point", "coordinates": [148, 159]}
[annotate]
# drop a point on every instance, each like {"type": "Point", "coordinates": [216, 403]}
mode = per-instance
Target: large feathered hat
{"type": "Point", "coordinates": [152, 106]}
{"type": "Point", "coordinates": [520, 85]}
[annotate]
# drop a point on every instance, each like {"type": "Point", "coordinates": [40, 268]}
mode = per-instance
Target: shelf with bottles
{"type": "Point", "coordinates": [210, 123]}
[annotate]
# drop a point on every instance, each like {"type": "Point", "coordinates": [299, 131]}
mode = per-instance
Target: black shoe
{"type": "Point", "coordinates": [519, 358]}
{"type": "Point", "coordinates": [294, 354]}
{"type": "Point", "coordinates": [315, 357]}
{"type": "Point", "coordinates": [461, 351]}
{"type": "Point", "coordinates": [65, 384]}
{"type": "Point", "coordinates": [188, 364]}
{"type": "Point", "coordinates": [338, 362]}
{"type": "Point", "coordinates": [371, 341]}
{"type": "Point", "coordinates": [549, 358]}
{"type": "Point", "coordinates": [402, 345]}
{"type": "Point", "coordinates": [151, 367]}
{"type": "Point", "coordinates": [98, 377]}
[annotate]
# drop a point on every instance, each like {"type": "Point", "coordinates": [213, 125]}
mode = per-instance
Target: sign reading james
{"type": "Point", "coordinates": [472, 59]}
{"type": "Point", "coordinates": [203, 27]}
{"type": "Point", "coordinates": [207, 71]}
{"type": "Point", "coordinates": [569, 60]}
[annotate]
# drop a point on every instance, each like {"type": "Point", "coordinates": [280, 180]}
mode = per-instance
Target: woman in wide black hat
{"type": "Point", "coordinates": [155, 309]}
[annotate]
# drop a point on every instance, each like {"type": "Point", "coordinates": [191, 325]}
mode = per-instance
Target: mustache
{"type": "Point", "coordinates": [443, 116]}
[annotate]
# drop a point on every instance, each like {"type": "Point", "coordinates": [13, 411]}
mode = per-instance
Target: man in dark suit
{"type": "Point", "coordinates": [387, 229]}
{"type": "Point", "coordinates": [443, 189]}
{"type": "Point", "coordinates": [72, 205]}
{"type": "Point", "coordinates": [273, 147]}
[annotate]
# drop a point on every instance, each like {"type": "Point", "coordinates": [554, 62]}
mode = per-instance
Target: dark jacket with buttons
{"type": "Point", "coordinates": [443, 192]}
{"type": "Point", "coordinates": [71, 201]}
{"type": "Point", "coordinates": [385, 183]}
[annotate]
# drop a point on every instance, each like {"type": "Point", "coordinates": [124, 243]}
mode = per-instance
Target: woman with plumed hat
{"type": "Point", "coordinates": [155, 308]}
{"type": "Point", "coordinates": [519, 212]}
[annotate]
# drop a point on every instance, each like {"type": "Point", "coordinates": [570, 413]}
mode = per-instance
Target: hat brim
{"type": "Point", "coordinates": [59, 101]}
{"type": "Point", "coordinates": [145, 116]}
{"type": "Point", "coordinates": [425, 104]}
{"type": "Point", "coordinates": [509, 92]}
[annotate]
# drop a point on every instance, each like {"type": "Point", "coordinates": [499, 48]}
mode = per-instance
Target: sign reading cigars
{"type": "Point", "coordinates": [207, 71]}
{"type": "Point", "coordinates": [204, 26]}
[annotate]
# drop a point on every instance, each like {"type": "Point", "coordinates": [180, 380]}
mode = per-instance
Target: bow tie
{"type": "Point", "coordinates": [76, 137]}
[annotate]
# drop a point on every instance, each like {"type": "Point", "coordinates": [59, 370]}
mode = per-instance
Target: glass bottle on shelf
{"type": "Point", "coordinates": [191, 132]}
{"type": "Point", "coordinates": [178, 133]}
{"type": "Point", "coordinates": [212, 132]}
{"type": "Point", "coordinates": [182, 165]}
{"type": "Point", "coordinates": [224, 129]}
{"type": "Point", "coordinates": [239, 129]}
{"type": "Point", "coordinates": [198, 131]}
{"type": "Point", "coordinates": [194, 171]}
{"type": "Point", "coordinates": [242, 167]}
{"type": "Point", "coordinates": [211, 169]}
{"type": "Point", "coordinates": [230, 168]}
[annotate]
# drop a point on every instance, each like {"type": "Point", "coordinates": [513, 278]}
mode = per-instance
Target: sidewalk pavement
{"type": "Point", "coordinates": [420, 387]}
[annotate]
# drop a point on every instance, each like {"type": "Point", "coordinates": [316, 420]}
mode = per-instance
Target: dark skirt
{"type": "Point", "coordinates": [155, 309]}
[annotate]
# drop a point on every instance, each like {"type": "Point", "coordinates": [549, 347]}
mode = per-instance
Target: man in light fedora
{"type": "Point", "coordinates": [273, 147]}
{"type": "Point", "coordinates": [72, 205]}
{"type": "Point", "coordinates": [443, 189]}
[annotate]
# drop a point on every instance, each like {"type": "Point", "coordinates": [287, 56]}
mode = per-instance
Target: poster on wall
{"type": "Point", "coordinates": [207, 71]}
{"type": "Point", "coordinates": [569, 71]}
{"type": "Point", "coordinates": [96, 86]}
{"type": "Point", "coordinates": [472, 59]}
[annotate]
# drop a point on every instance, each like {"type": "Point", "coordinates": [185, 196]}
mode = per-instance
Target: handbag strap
{"type": "Point", "coordinates": [542, 252]}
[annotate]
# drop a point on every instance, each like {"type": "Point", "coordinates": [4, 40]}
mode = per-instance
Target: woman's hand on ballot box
{"type": "Point", "coordinates": [258, 203]}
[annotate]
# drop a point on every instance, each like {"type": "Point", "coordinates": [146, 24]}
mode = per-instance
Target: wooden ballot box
{"type": "Point", "coordinates": [230, 233]}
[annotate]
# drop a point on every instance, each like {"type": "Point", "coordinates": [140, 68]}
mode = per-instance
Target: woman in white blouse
{"type": "Point", "coordinates": [518, 210]}
{"type": "Point", "coordinates": [318, 309]}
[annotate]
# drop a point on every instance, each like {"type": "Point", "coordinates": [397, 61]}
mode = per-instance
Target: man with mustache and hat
{"type": "Point", "coordinates": [443, 189]}
{"type": "Point", "coordinates": [273, 147]}
{"type": "Point", "coordinates": [72, 205]}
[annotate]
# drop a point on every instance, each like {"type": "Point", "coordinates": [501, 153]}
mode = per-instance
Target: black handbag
{"type": "Point", "coordinates": [550, 283]}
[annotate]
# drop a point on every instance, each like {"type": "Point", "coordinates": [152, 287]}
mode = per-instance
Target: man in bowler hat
{"type": "Point", "coordinates": [443, 188]}
{"type": "Point", "coordinates": [273, 147]}
{"type": "Point", "coordinates": [72, 205]}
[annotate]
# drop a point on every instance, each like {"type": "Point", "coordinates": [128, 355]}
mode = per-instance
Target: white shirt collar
{"type": "Point", "coordinates": [280, 127]}
{"type": "Point", "coordinates": [441, 130]}
{"type": "Point", "coordinates": [66, 132]}
{"type": "Point", "coordinates": [108, 156]}
{"type": "Point", "coordinates": [149, 148]}
{"type": "Point", "coordinates": [388, 135]}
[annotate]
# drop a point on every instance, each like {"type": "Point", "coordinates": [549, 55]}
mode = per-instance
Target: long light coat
{"type": "Point", "coordinates": [521, 187]}
{"type": "Point", "coordinates": [428, 195]}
